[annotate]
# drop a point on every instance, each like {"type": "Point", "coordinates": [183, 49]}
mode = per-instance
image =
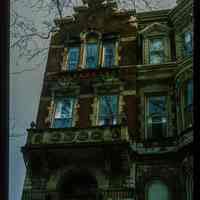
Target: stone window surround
{"type": "Point", "coordinates": [52, 108]}
{"type": "Point", "coordinates": [149, 33]}
{"type": "Point", "coordinates": [94, 105]}
{"type": "Point", "coordinates": [95, 108]}
{"type": "Point", "coordinates": [148, 91]}
{"type": "Point", "coordinates": [82, 51]}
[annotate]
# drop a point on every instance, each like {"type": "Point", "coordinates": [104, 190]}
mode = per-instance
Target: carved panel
{"type": "Point", "coordinates": [88, 135]}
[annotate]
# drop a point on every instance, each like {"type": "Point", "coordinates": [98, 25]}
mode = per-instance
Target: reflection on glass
{"type": "Point", "coordinates": [108, 110]}
{"type": "Point", "coordinates": [109, 55]}
{"type": "Point", "coordinates": [156, 117]}
{"type": "Point", "coordinates": [73, 58]}
{"type": "Point", "coordinates": [156, 51]}
{"type": "Point", "coordinates": [63, 113]}
{"type": "Point", "coordinates": [91, 55]}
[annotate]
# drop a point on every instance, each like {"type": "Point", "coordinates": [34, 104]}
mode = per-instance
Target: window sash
{"type": "Point", "coordinates": [109, 55]}
{"type": "Point", "coordinates": [63, 115]}
{"type": "Point", "coordinates": [91, 55]}
{"type": "Point", "coordinates": [188, 43]}
{"type": "Point", "coordinates": [156, 117]}
{"type": "Point", "coordinates": [108, 110]}
{"type": "Point", "coordinates": [73, 58]}
{"type": "Point", "coordinates": [156, 51]}
{"type": "Point", "coordinates": [156, 104]}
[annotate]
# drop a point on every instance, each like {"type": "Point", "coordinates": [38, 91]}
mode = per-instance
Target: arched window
{"type": "Point", "coordinates": [157, 190]}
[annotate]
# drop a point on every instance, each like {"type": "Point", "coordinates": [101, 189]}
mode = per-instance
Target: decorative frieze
{"type": "Point", "coordinates": [65, 136]}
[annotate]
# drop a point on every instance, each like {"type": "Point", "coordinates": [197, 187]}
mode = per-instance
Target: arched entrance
{"type": "Point", "coordinates": [78, 184]}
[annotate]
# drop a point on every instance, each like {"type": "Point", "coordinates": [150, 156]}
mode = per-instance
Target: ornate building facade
{"type": "Point", "coordinates": [115, 113]}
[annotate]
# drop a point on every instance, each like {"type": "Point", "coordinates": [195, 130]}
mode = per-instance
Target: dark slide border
{"type": "Point", "coordinates": [4, 100]}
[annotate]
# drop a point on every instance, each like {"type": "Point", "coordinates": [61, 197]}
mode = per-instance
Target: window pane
{"type": "Point", "coordinates": [188, 37]}
{"type": "Point", "coordinates": [109, 55]}
{"type": "Point", "coordinates": [156, 117]}
{"type": "Point", "coordinates": [188, 104]}
{"type": "Point", "coordinates": [67, 108]}
{"type": "Point", "coordinates": [190, 93]}
{"type": "Point", "coordinates": [156, 57]}
{"type": "Point", "coordinates": [91, 55]}
{"type": "Point", "coordinates": [108, 110]}
{"type": "Point", "coordinates": [188, 43]}
{"type": "Point", "coordinates": [156, 45]}
{"type": "Point", "coordinates": [63, 113]}
{"type": "Point", "coordinates": [62, 123]}
{"type": "Point", "coordinates": [156, 51]}
{"type": "Point", "coordinates": [73, 58]}
{"type": "Point", "coordinates": [58, 110]}
{"type": "Point", "coordinates": [157, 104]}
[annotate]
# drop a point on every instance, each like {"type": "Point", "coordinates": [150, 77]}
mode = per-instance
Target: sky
{"type": "Point", "coordinates": [25, 89]}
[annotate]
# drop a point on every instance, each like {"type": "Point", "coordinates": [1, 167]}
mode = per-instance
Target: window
{"type": "Point", "coordinates": [91, 55]}
{"type": "Point", "coordinates": [188, 103]}
{"type": "Point", "coordinates": [156, 51]}
{"type": "Point", "coordinates": [188, 43]}
{"type": "Point", "coordinates": [189, 187]}
{"type": "Point", "coordinates": [63, 114]}
{"type": "Point", "coordinates": [158, 191]}
{"type": "Point", "coordinates": [108, 110]}
{"type": "Point", "coordinates": [156, 117]}
{"type": "Point", "coordinates": [73, 58]}
{"type": "Point", "coordinates": [109, 54]}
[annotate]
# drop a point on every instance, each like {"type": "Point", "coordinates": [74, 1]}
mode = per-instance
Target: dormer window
{"type": "Point", "coordinates": [108, 54]}
{"type": "Point", "coordinates": [156, 44]}
{"type": "Point", "coordinates": [73, 58]}
{"type": "Point", "coordinates": [156, 51]}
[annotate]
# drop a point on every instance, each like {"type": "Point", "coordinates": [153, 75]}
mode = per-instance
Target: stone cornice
{"type": "Point", "coordinates": [150, 67]}
{"type": "Point", "coordinates": [155, 72]}
{"type": "Point", "coordinates": [178, 143]}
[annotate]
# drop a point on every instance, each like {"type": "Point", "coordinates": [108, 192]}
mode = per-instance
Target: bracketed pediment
{"type": "Point", "coordinates": [155, 29]}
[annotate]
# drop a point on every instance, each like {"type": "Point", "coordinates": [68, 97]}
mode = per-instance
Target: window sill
{"type": "Point", "coordinates": [164, 141]}
{"type": "Point", "coordinates": [171, 63]}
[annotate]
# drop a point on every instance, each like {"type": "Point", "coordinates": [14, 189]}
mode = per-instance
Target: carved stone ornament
{"type": "Point", "coordinates": [155, 28]}
{"type": "Point", "coordinates": [38, 139]}
{"type": "Point", "coordinates": [96, 135]}
{"type": "Point", "coordinates": [116, 133]}
{"type": "Point", "coordinates": [69, 136]}
{"type": "Point", "coordinates": [55, 137]}
{"type": "Point", "coordinates": [82, 136]}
